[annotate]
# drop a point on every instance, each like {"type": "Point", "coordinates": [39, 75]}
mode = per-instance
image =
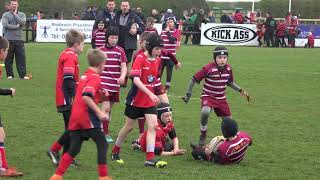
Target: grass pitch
{"type": "Point", "coordinates": [283, 118]}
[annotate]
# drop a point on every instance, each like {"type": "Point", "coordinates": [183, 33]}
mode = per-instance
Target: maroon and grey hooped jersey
{"type": "Point", "coordinates": [171, 47]}
{"type": "Point", "coordinates": [234, 151]}
{"type": "Point", "coordinates": [216, 80]}
{"type": "Point", "coordinates": [112, 68]}
{"type": "Point", "coordinates": [100, 38]}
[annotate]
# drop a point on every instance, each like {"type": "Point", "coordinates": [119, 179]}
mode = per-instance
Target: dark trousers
{"type": "Point", "coordinates": [260, 42]}
{"type": "Point", "coordinates": [129, 54]}
{"type": "Point", "coordinates": [16, 49]}
{"type": "Point", "coordinates": [168, 64]}
{"type": "Point", "coordinates": [77, 138]}
{"type": "Point", "coordinates": [64, 139]}
{"type": "Point", "coordinates": [269, 37]}
{"type": "Point", "coordinates": [280, 41]}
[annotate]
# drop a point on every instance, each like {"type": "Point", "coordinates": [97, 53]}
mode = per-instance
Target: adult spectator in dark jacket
{"type": "Point", "coordinates": [201, 18]}
{"type": "Point", "coordinates": [129, 25]}
{"type": "Point", "coordinates": [108, 14]}
{"type": "Point", "coordinates": [270, 26]}
{"type": "Point", "coordinates": [89, 13]}
{"type": "Point", "coordinates": [141, 15]}
{"type": "Point", "coordinates": [225, 18]}
{"type": "Point", "coordinates": [155, 15]}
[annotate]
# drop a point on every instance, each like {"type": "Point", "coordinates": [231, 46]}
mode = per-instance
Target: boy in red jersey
{"type": "Point", "coordinates": [86, 117]}
{"type": "Point", "coordinates": [217, 75]}
{"type": "Point", "coordinates": [99, 35]}
{"type": "Point", "coordinates": [310, 43]}
{"type": "Point", "coordinates": [5, 171]}
{"type": "Point", "coordinates": [170, 38]}
{"type": "Point", "coordinates": [165, 128]}
{"type": "Point", "coordinates": [280, 34]}
{"type": "Point", "coordinates": [260, 34]}
{"type": "Point", "coordinates": [113, 75]}
{"type": "Point", "coordinates": [141, 100]}
{"type": "Point", "coordinates": [66, 82]}
{"type": "Point", "coordinates": [229, 149]}
{"type": "Point", "coordinates": [159, 89]}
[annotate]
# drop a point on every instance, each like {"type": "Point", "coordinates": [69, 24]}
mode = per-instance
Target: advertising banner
{"type": "Point", "coordinates": [55, 30]}
{"type": "Point", "coordinates": [229, 34]}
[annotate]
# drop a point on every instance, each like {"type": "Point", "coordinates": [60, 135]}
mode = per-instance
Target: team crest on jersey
{"type": "Point", "coordinates": [150, 79]}
{"type": "Point", "coordinates": [83, 77]}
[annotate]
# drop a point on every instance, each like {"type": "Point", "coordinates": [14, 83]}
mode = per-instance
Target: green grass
{"type": "Point", "coordinates": [283, 118]}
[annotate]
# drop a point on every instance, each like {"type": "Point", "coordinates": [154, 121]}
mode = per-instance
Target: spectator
{"type": "Point", "coordinates": [75, 16]}
{"type": "Point", "coordinates": [270, 26]}
{"type": "Point", "coordinates": [12, 22]}
{"type": "Point", "coordinates": [280, 34]}
{"type": "Point", "coordinates": [107, 14]}
{"type": "Point", "coordinates": [56, 16]}
{"type": "Point", "coordinates": [201, 18]}
{"type": "Point", "coordinates": [238, 17]}
{"type": "Point", "coordinates": [166, 15]}
{"type": "Point", "coordinates": [260, 34]}
{"type": "Point", "coordinates": [211, 17]}
{"type": "Point", "coordinates": [225, 18]}
{"type": "Point", "coordinates": [129, 25]}
{"type": "Point", "coordinates": [141, 15]}
{"type": "Point", "coordinates": [155, 15]}
{"type": "Point", "coordinates": [90, 13]}
{"type": "Point", "coordinates": [310, 43]}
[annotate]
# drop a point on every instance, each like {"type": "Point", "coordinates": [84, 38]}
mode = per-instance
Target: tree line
{"type": "Point", "coordinates": [304, 8]}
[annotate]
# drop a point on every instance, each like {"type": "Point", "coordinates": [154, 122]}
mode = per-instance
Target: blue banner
{"type": "Point", "coordinates": [305, 28]}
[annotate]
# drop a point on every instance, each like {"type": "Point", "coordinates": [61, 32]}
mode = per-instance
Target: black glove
{"type": "Point", "coordinates": [186, 98]}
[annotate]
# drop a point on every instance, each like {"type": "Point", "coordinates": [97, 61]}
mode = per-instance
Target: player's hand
{"type": "Point", "coordinates": [103, 116]}
{"type": "Point", "coordinates": [186, 98]}
{"type": "Point", "coordinates": [244, 93]}
{"type": "Point", "coordinates": [178, 152]}
{"type": "Point", "coordinates": [120, 81]}
{"type": "Point", "coordinates": [105, 92]}
{"type": "Point", "coordinates": [13, 92]}
{"type": "Point", "coordinates": [155, 99]}
{"type": "Point", "coordinates": [178, 66]}
{"type": "Point", "coordinates": [167, 29]}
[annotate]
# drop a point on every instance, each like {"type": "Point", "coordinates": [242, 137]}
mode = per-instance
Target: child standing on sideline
{"type": "Point", "coordinates": [99, 35]}
{"type": "Point", "coordinates": [86, 117]}
{"type": "Point", "coordinates": [5, 171]}
{"type": "Point", "coordinates": [217, 75]}
{"type": "Point", "coordinates": [113, 75]}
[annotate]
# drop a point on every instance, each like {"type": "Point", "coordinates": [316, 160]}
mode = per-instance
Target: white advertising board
{"type": "Point", "coordinates": [55, 30]}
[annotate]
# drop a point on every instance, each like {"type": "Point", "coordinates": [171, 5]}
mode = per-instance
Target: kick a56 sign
{"type": "Point", "coordinates": [229, 34]}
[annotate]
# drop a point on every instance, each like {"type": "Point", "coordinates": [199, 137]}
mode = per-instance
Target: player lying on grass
{"type": "Point", "coordinates": [5, 171]}
{"type": "Point", "coordinates": [86, 117]}
{"type": "Point", "coordinates": [165, 128]}
{"type": "Point", "coordinates": [217, 76]}
{"type": "Point", "coordinates": [227, 149]}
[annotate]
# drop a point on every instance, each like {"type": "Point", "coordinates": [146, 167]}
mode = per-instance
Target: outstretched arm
{"type": "Point", "coordinates": [234, 86]}
{"type": "Point", "coordinates": [187, 97]}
